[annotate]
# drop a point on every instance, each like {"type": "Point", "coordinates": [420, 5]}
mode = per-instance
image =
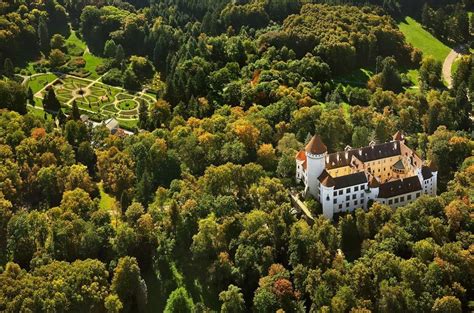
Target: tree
{"type": "Point", "coordinates": [266, 157]}
{"type": "Point", "coordinates": [130, 80]}
{"type": "Point", "coordinates": [30, 96]}
{"type": "Point", "coordinates": [119, 54]}
{"type": "Point", "coordinates": [43, 34]}
{"type": "Point", "coordinates": [75, 114]}
{"type": "Point", "coordinates": [110, 49]}
{"type": "Point", "coordinates": [13, 96]}
{"type": "Point", "coordinates": [179, 301]}
{"type": "Point", "coordinates": [447, 304]}
{"type": "Point", "coordinates": [143, 115]}
{"type": "Point", "coordinates": [8, 68]}
{"type": "Point", "coordinates": [113, 304]}
{"type": "Point", "coordinates": [57, 58]}
{"type": "Point", "coordinates": [128, 284]}
{"type": "Point", "coordinates": [430, 73]}
{"type": "Point", "coordinates": [50, 102]}
{"type": "Point", "coordinates": [360, 136]}
{"type": "Point", "coordinates": [57, 41]}
{"type": "Point", "coordinates": [388, 78]}
{"type": "Point", "coordinates": [232, 300]}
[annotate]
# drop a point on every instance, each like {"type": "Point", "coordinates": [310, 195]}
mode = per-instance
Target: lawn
{"type": "Point", "coordinates": [75, 46]}
{"type": "Point", "coordinates": [127, 105]}
{"type": "Point", "coordinates": [92, 62]}
{"type": "Point", "coordinates": [38, 82]}
{"type": "Point", "coordinates": [109, 204]}
{"type": "Point", "coordinates": [357, 78]}
{"type": "Point", "coordinates": [416, 35]}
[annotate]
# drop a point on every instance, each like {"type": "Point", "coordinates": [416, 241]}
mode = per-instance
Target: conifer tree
{"type": "Point", "coordinates": [43, 35]}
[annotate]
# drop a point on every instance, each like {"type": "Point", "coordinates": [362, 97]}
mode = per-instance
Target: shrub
{"type": "Point", "coordinates": [77, 63]}
{"type": "Point", "coordinates": [113, 77]}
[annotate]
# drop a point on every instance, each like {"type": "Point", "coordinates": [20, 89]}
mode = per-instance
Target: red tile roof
{"type": "Point", "coordinates": [301, 156]}
{"type": "Point", "coordinates": [316, 146]}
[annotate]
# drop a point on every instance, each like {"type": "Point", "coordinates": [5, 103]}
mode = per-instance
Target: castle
{"type": "Point", "coordinates": [390, 173]}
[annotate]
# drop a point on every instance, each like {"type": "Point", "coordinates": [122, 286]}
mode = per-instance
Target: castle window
{"type": "Point", "coordinates": [335, 193]}
{"type": "Point", "coordinates": [356, 188]}
{"type": "Point", "coordinates": [402, 199]}
{"type": "Point", "coordinates": [340, 206]}
{"type": "Point", "coordinates": [409, 197]}
{"type": "Point", "coordinates": [335, 201]}
{"type": "Point", "coordinates": [355, 202]}
{"type": "Point", "coordinates": [361, 194]}
{"type": "Point", "coordinates": [390, 201]}
{"type": "Point", "coordinates": [347, 204]}
{"type": "Point", "coordinates": [354, 197]}
{"type": "Point", "coordinates": [362, 201]}
{"type": "Point", "coordinates": [348, 198]}
{"type": "Point", "coordinates": [348, 190]}
{"type": "Point", "coordinates": [396, 200]}
{"type": "Point", "coordinates": [341, 191]}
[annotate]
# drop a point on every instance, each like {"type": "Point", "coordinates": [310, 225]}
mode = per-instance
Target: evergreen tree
{"type": "Point", "coordinates": [75, 114]}
{"type": "Point", "coordinates": [130, 80]}
{"type": "Point", "coordinates": [143, 115]}
{"type": "Point", "coordinates": [8, 68]}
{"type": "Point", "coordinates": [50, 102]}
{"type": "Point", "coordinates": [110, 49]}
{"type": "Point", "coordinates": [463, 108]}
{"type": "Point", "coordinates": [461, 27]}
{"type": "Point", "coordinates": [30, 96]}
{"type": "Point", "coordinates": [119, 54]}
{"type": "Point", "coordinates": [43, 35]}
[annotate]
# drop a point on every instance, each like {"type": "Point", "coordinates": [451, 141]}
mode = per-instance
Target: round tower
{"type": "Point", "coordinates": [316, 152]}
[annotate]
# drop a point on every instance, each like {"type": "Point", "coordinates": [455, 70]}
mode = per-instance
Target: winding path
{"type": "Point", "coordinates": [447, 65]}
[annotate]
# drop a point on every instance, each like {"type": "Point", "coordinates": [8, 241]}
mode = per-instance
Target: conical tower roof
{"type": "Point", "coordinates": [316, 146]}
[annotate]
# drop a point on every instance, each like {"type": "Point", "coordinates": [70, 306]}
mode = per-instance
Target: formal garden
{"type": "Point", "coordinates": [94, 98]}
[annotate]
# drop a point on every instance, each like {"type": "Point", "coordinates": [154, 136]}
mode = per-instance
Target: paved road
{"type": "Point", "coordinates": [447, 65]}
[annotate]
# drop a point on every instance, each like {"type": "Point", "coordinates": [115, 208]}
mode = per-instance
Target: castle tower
{"type": "Point", "coordinates": [316, 152]}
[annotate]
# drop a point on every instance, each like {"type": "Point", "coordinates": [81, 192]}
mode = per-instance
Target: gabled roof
{"type": "Point", "coordinates": [374, 183]}
{"type": "Point", "coordinates": [399, 187]}
{"type": "Point", "coordinates": [350, 180]}
{"type": "Point", "coordinates": [316, 146]}
{"type": "Point", "coordinates": [399, 136]}
{"type": "Point", "coordinates": [399, 165]}
{"type": "Point", "coordinates": [111, 123]}
{"type": "Point", "coordinates": [326, 179]}
{"type": "Point", "coordinates": [365, 154]}
{"type": "Point", "coordinates": [342, 181]}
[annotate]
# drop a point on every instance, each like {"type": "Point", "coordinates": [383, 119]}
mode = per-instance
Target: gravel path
{"type": "Point", "coordinates": [448, 63]}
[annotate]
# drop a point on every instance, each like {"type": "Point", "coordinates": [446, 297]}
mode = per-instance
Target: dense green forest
{"type": "Point", "coordinates": [191, 211]}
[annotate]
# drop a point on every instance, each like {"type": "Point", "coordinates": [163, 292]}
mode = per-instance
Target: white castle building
{"type": "Point", "coordinates": [390, 173]}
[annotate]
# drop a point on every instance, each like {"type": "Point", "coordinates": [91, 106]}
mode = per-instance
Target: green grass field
{"type": "Point", "coordinates": [92, 62]}
{"type": "Point", "coordinates": [75, 46]}
{"type": "Point", "coordinates": [38, 82]}
{"type": "Point", "coordinates": [416, 35]}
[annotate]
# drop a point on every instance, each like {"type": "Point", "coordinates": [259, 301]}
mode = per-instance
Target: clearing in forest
{"type": "Point", "coordinates": [94, 98]}
{"type": "Point", "coordinates": [420, 38]}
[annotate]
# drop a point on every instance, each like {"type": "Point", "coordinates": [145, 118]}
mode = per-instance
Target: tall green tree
{"type": "Point", "coordinates": [179, 301]}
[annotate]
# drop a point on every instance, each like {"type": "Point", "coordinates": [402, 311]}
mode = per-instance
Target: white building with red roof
{"type": "Point", "coordinates": [390, 173]}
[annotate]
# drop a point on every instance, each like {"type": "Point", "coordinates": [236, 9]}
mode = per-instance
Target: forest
{"type": "Point", "coordinates": [186, 208]}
